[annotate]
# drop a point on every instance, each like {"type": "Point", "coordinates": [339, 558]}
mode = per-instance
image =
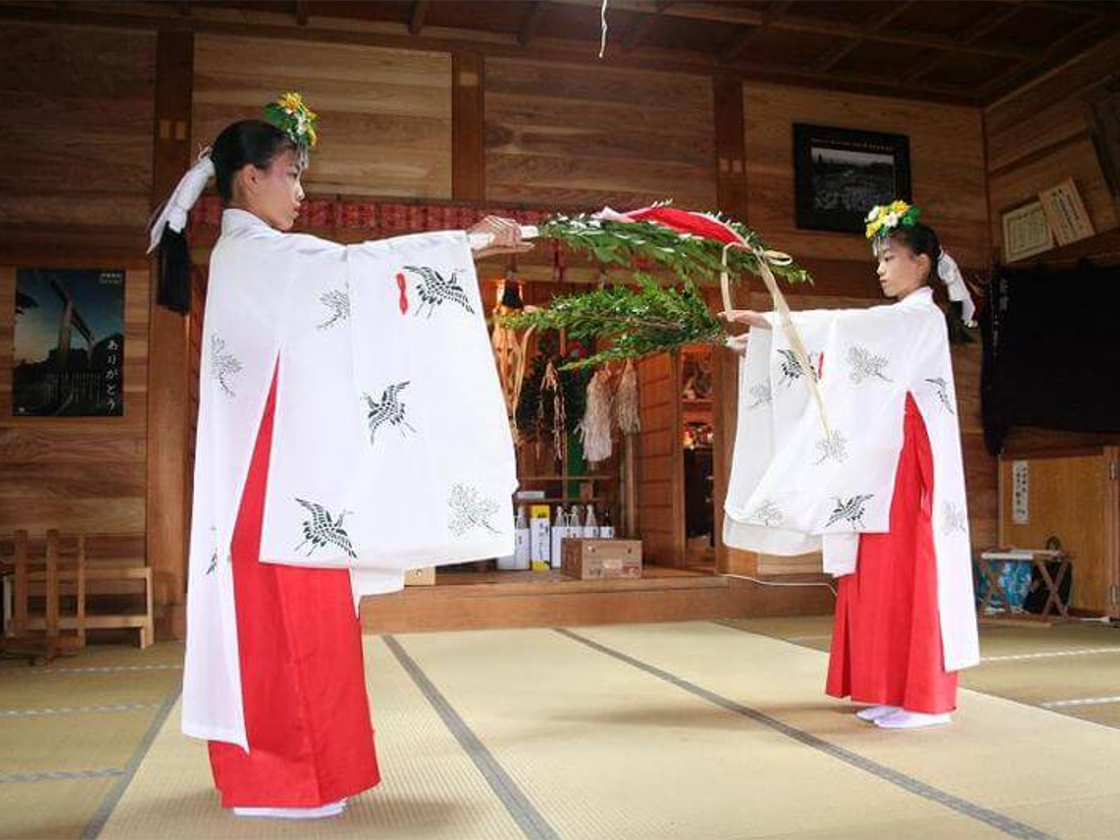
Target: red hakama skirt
{"type": "Point", "coordinates": [886, 640]}
{"type": "Point", "coordinates": [302, 678]}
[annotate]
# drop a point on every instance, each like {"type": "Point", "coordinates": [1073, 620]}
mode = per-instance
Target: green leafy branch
{"type": "Point", "coordinates": [686, 255]}
{"type": "Point", "coordinates": [649, 319]}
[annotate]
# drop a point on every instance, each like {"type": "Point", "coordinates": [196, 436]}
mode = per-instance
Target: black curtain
{"type": "Point", "coordinates": [1051, 351]}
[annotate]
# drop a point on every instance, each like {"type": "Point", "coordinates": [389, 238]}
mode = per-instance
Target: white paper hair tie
{"type": "Point", "coordinates": [178, 207]}
{"type": "Point", "coordinates": [950, 274]}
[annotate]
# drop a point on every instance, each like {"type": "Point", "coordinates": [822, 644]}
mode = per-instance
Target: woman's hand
{"type": "Point", "coordinates": [737, 344]}
{"type": "Point", "coordinates": [506, 237]}
{"type": "Point", "coordinates": [745, 316]}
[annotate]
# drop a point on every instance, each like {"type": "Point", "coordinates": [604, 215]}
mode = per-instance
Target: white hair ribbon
{"type": "Point", "coordinates": [950, 274]}
{"type": "Point", "coordinates": [178, 207]}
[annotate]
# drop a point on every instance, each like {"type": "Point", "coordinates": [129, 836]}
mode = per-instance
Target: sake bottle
{"type": "Point", "coordinates": [521, 539]}
{"type": "Point", "coordinates": [590, 524]}
{"type": "Point", "coordinates": [560, 530]}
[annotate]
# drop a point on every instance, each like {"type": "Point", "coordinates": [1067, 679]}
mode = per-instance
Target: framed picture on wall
{"type": "Point", "coordinates": [1025, 232]}
{"type": "Point", "coordinates": [841, 173]}
{"type": "Point", "coordinates": [69, 343]}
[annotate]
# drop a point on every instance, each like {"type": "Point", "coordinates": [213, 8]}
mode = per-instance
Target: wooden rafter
{"type": "Point", "coordinates": [532, 22]}
{"type": "Point", "coordinates": [991, 21]}
{"type": "Point", "coordinates": [1108, 14]}
{"type": "Point", "coordinates": [830, 59]}
{"type": "Point", "coordinates": [743, 40]}
{"type": "Point", "coordinates": [417, 16]}
{"type": "Point", "coordinates": [803, 23]}
{"type": "Point", "coordinates": [1021, 72]}
{"type": "Point", "coordinates": [207, 18]}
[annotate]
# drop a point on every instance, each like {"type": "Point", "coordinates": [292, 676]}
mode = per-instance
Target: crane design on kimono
{"type": "Point", "coordinates": [850, 510]}
{"type": "Point", "coordinates": [389, 409]}
{"type": "Point", "coordinates": [323, 530]}
{"type": "Point", "coordinates": [223, 366]}
{"type": "Point", "coordinates": [939, 383]}
{"type": "Point", "coordinates": [791, 367]}
{"type": "Point", "coordinates": [435, 288]}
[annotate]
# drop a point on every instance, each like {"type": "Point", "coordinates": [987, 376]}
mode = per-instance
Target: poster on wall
{"type": "Point", "coordinates": [841, 173]}
{"type": "Point", "coordinates": [69, 343]}
{"type": "Point", "coordinates": [1020, 493]}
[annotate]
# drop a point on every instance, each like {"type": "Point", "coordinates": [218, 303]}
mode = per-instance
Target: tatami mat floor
{"type": "Point", "coordinates": [690, 730]}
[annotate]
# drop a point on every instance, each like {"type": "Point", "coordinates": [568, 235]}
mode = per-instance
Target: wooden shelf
{"type": "Point", "coordinates": [566, 478]}
{"type": "Point", "coordinates": [558, 500]}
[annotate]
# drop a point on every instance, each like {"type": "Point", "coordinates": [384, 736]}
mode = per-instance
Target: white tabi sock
{"type": "Point", "coordinates": [331, 809]}
{"type": "Point", "coordinates": [871, 713]}
{"type": "Point", "coordinates": [903, 719]}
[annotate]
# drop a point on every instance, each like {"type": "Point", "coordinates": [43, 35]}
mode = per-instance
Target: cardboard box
{"type": "Point", "coordinates": [602, 559]}
{"type": "Point", "coordinates": [420, 577]}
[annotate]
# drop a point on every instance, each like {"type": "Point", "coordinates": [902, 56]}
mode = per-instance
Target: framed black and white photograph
{"type": "Point", "coordinates": [69, 343]}
{"type": "Point", "coordinates": [842, 173]}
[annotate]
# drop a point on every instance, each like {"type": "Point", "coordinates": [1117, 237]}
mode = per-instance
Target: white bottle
{"type": "Point", "coordinates": [521, 539]}
{"type": "Point", "coordinates": [591, 524]}
{"type": "Point", "coordinates": [560, 530]}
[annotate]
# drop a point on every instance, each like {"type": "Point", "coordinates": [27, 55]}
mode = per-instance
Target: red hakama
{"type": "Point", "coordinates": [886, 640]}
{"type": "Point", "coordinates": [302, 678]}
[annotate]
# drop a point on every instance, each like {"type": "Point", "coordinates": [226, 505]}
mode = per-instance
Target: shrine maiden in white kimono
{"type": "Point", "coordinates": [390, 446]}
{"type": "Point", "coordinates": [797, 487]}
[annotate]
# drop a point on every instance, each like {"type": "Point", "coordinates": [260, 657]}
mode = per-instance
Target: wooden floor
{"type": "Point", "coordinates": [491, 600]}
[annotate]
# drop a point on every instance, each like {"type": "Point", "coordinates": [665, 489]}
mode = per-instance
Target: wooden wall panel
{"type": "Point", "coordinates": [1072, 498]}
{"type": "Point", "coordinates": [77, 473]}
{"type": "Point", "coordinates": [384, 115]}
{"type": "Point", "coordinates": [946, 161]}
{"type": "Point", "coordinates": [1039, 136]}
{"type": "Point", "coordinates": [660, 462]}
{"type": "Point", "coordinates": [587, 137]}
{"type": "Point", "coordinates": [76, 126]}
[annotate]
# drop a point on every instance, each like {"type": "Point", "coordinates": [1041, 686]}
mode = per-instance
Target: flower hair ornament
{"type": "Point", "coordinates": [289, 114]}
{"type": "Point", "coordinates": [294, 118]}
{"type": "Point", "coordinates": [887, 218]}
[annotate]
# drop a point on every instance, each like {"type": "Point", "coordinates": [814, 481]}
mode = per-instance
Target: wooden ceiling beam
{"type": "Point", "coordinates": [532, 22]}
{"type": "Point", "coordinates": [743, 40]}
{"type": "Point", "coordinates": [417, 16]}
{"type": "Point", "coordinates": [993, 20]}
{"type": "Point", "coordinates": [832, 58]}
{"type": "Point", "coordinates": [303, 12]}
{"type": "Point", "coordinates": [814, 26]}
{"type": "Point", "coordinates": [1108, 14]}
{"type": "Point", "coordinates": [224, 21]}
{"type": "Point", "coordinates": [1020, 73]}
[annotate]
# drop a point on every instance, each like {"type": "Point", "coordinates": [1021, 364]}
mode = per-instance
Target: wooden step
{"type": "Point", "coordinates": [548, 600]}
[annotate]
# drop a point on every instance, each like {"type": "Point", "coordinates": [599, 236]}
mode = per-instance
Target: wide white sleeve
{"type": "Point", "coordinates": [391, 448]}
{"type": "Point", "coordinates": [831, 476]}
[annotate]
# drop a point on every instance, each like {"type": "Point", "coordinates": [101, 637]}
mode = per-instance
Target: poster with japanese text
{"type": "Point", "coordinates": [69, 343]}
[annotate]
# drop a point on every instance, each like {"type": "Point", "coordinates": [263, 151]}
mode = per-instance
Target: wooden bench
{"type": "Point", "coordinates": [111, 569]}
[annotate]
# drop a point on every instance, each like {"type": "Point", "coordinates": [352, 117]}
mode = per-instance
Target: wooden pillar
{"type": "Point", "coordinates": [168, 520]}
{"type": "Point", "coordinates": [731, 153]}
{"type": "Point", "coordinates": [731, 196]}
{"type": "Point", "coordinates": [468, 155]}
